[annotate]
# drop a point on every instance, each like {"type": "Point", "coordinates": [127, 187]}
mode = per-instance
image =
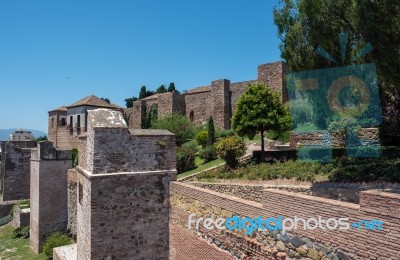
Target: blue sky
{"type": "Point", "coordinates": [54, 53]}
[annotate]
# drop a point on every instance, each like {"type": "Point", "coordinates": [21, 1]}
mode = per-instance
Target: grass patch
{"type": "Point", "coordinates": [200, 166]}
{"type": "Point", "coordinates": [24, 204]}
{"type": "Point", "coordinates": [15, 248]}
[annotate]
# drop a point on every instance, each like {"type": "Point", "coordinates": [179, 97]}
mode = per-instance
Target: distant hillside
{"type": "Point", "coordinates": [5, 133]}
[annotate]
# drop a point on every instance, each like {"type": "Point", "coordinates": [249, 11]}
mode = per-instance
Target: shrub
{"type": "Point", "coordinates": [178, 124]}
{"type": "Point", "coordinates": [225, 133]}
{"type": "Point", "coordinates": [209, 153]}
{"type": "Point", "coordinates": [230, 149]}
{"type": "Point", "coordinates": [185, 159]}
{"type": "Point", "coordinates": [55, 240]}
{"type": "Point", "coordinates": [202, 138]}
{"type": "Point", "coordinates": [74, 153]}
{"type": "Point", "coordinates": [191, 145]}
{"type": "Point", "coordinates": [21, 232]}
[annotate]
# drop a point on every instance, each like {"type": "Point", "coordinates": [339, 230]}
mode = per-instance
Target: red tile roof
{"type": "Point", "coordinates": [93, 101]}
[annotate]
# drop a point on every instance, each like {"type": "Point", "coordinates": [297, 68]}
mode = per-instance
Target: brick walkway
{"type": "Point", "coordinates": [184, 245]}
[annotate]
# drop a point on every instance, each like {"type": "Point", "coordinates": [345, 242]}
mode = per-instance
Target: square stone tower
{"type": "Point", "coordinates": [123, 189]}
{"type": "Point", "coordinates": [48, 195]}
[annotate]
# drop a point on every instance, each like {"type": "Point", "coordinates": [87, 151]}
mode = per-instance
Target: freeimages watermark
{"type": "Point", "coordinates": [249, 225]}
{"type": "Point", "coordinates": [341, 99]}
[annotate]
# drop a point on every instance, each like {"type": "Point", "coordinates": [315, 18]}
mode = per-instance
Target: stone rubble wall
{"type": "Point", "coordinates": [314, 244]}
{"type": "Point", "coordinates": [366, 136]}
{"type": "Point", "coordinates": [48, 194]}
{"type": "Point", "coordinates": [72, 198]}
{"type": "Point", "coordinates": [14, 171]}
{"type": "Point", "coordinates": [218, 100]}
{"type": "Point", "coordinates": [122, 190]}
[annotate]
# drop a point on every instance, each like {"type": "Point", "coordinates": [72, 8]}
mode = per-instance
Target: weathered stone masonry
{"type": "Point", "coordinates": [48, 195]}
{"type": "Point", "coordinates": [14, 170]}
{"type": "Point", "coordinates": [217, 100]}
{"type": "Point", "coordinates": [123, 190]}
{"type": "Point", "coordinates": [360, 244]}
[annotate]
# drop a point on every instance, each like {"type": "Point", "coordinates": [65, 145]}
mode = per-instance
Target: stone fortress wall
{"type": "Point", "coordinates": [14, 170]}
{"type": "Point", "coordinates": [217, 100]}
{"type": "Point", "coordinates": [315, 244]}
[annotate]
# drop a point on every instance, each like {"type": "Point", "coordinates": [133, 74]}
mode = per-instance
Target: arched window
{"type": "Point", "coordinates": [191, 116]}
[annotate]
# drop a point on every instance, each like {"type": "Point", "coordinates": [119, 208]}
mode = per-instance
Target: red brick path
{"type": "Point", "coordinates": [184, 245]}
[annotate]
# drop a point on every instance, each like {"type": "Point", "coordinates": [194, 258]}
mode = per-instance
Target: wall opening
{"type": "Point", "coordinates": [63, 122]}
{"type": "Point", "coordinates": [191, 116]}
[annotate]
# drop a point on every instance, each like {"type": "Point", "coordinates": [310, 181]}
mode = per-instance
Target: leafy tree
{"type": "Point", "coordinates": [150, 116]}
{"type": "Point", "coordinates": [143, 92]}
{"type": "Point", "coordinates": [230, 149]}
{"type": "Point", "coordinates": [305, 24]}
{"type": "Point", "coordinates": [260, 109]}
{"type": "Point", "coordinates": [106, 99]}
{"type": "Point", "coordinates": [178, 124]}
{"type": "Point", "coordinates": [211, 131]}
{"type": "Point", "coordinates": [129, 101]}
{"type": "Point", "coordinates": [40, 138]}
{"type": "Point", "coordinates": [161, 89]}
{"type": "Point", "coordinates": [171, 87]}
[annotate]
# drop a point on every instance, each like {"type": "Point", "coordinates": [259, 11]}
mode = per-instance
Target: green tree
{"type": "Point", "coordinates": [129, 101]}
{"type": "Point", "coordinates": [230, 149]}
{"type": "Point", "coordinates": [150, 116]}
{"type": "Point", "coordinates": [40, 138]}
{"type": "Point", "coordinates": [143, 92]}
{"type": "Point", "coordinates": [161, 89]}
{"type": "Point", "coordinates": [260, 109]}
{"type": "Point", "coordinates": [171, 87]}
{"type": "Point", "coordinates": [178, 124]}
{"type": "Point", "coordinates": [305, 24]}
{"type": "Point", "coordinates": [211, 131]}
{"type": "Point", "coordinates": [106, 99]}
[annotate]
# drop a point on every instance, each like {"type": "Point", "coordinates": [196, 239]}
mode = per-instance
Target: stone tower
{"type": "Point", "coordinates": [123, 189]}
{"type": "Point", "coordinates": [220, 103]}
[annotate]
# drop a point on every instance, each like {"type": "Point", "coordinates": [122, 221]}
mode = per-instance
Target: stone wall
{"type": "Point", "coordinates": [273, 75]}
{"type": "Point", "coordinates": [72, 199]}
{"type": "Point", "coordinates": [220, 104]}
{"type": "Point", "coordinates": [348, 192]}
{"type": "Point", "coordinates": [14, 171]}
{"type": "Point", "coordinates": [218, 100]}
{"type": "Point", "coordinates": [48, 195]}
{"type": "Point", "coordinates": [123, 190]}
{"type": "Point", "coordinates": [21, 217]}
{"type": "Point", "coordinates": [315, 244]}
{"type": "Point", "coordinates": [199, 105]}
{"type": "Point", "coordinates": [367, 136]}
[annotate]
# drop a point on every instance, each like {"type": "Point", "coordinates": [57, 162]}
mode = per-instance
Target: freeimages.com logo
{"type": "Point", "coordinates": [340, 99]}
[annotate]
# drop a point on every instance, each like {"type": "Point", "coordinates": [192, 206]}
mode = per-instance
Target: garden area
{"type": "Point", "coordinates": [214, 155]}
{"type": "Point", "coordinates": [15, 240]}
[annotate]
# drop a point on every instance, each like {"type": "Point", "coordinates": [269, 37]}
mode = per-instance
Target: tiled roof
{"type": "Point", "coordinates": [62, 108]}
{"type": "Point", "coordinates": [93, 101]}
{"type": "Point", "coordinates": [199, 89]}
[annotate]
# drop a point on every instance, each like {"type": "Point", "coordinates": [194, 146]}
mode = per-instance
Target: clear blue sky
{"type": "Point", "coordinates": [54, 53]}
